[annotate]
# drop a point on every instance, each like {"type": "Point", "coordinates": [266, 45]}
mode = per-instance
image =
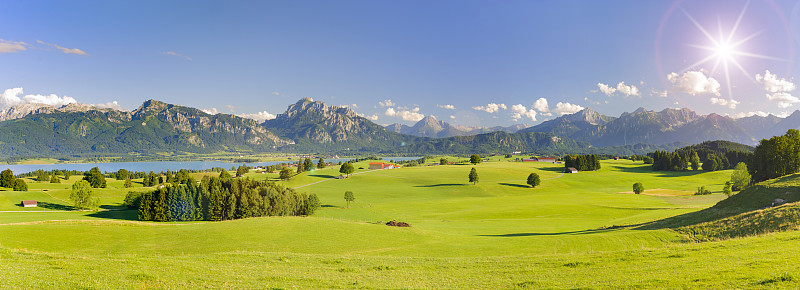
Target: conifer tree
{"type": "Point", "coordinates": [320, 163]}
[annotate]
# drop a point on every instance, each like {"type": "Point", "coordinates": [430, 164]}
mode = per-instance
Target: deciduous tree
{"type": "Point", "coordinates": [534, 180]}
{"type": "Point", "coordinates": [474, 159]}
{"type": "Point", "coordinates": [285, 174]}
{"type": "Point", "coordinates": [473, 176]}
{"type": "Point", "coordinates": [81, 195]}
{"type": "Point", "coordinates": [95, 178]}
{"type": "Point", "coordinates": [347, 168]}
{"type": "Point", "coordinates": [740, 178]}
{"type": "Point", "coordinates": [7, 178]}
{"type": "Point", "coordinates": [348, 196]}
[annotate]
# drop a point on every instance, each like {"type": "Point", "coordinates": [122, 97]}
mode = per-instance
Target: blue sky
{"type": "Point", "coordinates": [477, 63]}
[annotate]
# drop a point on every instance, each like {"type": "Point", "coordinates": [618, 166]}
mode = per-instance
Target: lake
{"type": "Point", "coordinates": [158, 166]}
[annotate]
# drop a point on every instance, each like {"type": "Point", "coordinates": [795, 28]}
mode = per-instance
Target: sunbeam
{"type": "Point", "coordinates": [724, 49]}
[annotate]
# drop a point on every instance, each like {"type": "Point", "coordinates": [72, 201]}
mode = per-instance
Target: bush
{"type": "Point", "coordinates": [638, 188]}
{"type": "Point", "coordinates": [702, 191]}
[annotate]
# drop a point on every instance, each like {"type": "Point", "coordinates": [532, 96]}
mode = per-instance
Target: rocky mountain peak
{"type": "Point", "coordinates": [587, 115]}
{"type": "Point", "coordinates": [23, 110]}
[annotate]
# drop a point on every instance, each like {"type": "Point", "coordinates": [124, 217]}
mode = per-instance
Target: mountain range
{"type": "Point", "coordinates": [431, 127]}
{"type": "Point", "coordinates": [312, 126]}
{"type": "Point", "coordinates": [666, 126]}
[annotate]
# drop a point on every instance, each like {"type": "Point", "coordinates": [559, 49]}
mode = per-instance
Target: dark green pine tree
{"type": "Point", "coordinates": [146, 207]}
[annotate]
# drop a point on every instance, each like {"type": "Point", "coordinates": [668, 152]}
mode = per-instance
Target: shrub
{"type": "Point", "coordinates": [702, 191]}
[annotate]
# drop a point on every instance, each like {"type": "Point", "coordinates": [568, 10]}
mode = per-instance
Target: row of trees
{"type": "Point", "coordinates": [217, 199]}
{"type": "Point", "coordinates": [582, 162]}
{"type": "Point", "coordinates": [776, 157]}
{"type": "Point", "coordinates": [683, 159]}
{"type": "Point", "coordinates": [8, 180]}
{"type": "Point", "coordinates": [678, 160]}
{"type": "Point", "coordinates": [716, 155]}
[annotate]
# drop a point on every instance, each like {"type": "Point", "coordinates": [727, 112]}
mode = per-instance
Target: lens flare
{"type": "Point", "coordinates": [724, 49]}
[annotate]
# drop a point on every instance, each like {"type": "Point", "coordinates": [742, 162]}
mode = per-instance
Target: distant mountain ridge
{"type": "Point", "coordinates": [154, 126]}
{"type": "Point", "coordinates": [431, 127]}
{"type": "Point", "coordinates": [666, 126]}
{"type": "Point", "coordinates": [312, 126]}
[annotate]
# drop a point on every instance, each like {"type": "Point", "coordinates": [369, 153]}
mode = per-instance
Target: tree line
{"type": "Point", "coordinates": [221, 198]}
{"type": "Point", "coordinates": [775, 157]}
{"type": "Point", "coordinates": [582, 162]}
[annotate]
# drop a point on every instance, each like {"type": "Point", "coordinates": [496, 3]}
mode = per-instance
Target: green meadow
{"type": "Point", "coordinates": [584, 230]}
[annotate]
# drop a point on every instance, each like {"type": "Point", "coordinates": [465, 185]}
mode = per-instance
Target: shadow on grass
{"type": "Point", "coordinates": [753, 198]}
{"type": "Point", "coordinates": [649, 170]}
{"type": "Point", "coordinates": [322, 175]}
{"type": "Point", "coordinates": [515, 185]}
{"type": "Point", "coordinates": [130, 215]}
{"type": "Point", "coordinates": [53, 206]}
{"type": "Point", "coordinates": [328, 205]}
{"type": "Point", "coordinates": [552, 169]}
{"type": "Point", "coordinates": [581, 232]}
{"type": "Point", "coordinates": [113, 207]}
{"type": "Point", "coordinates": [441, 184]}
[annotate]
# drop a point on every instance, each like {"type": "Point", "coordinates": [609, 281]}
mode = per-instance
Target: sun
{"type": "Point", "coordinates": [723, 49]}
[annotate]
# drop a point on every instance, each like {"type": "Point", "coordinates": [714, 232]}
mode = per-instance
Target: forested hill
{"type": "Point", "coordinates": [153, 127]}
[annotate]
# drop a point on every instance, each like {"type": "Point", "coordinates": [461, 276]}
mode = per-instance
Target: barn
{"type": "Point", "coordinates": [381, 165]}
{"type": "Point", "coordinates": [29, 203]}
{"type": "Point", "coordinates": [570, 170]}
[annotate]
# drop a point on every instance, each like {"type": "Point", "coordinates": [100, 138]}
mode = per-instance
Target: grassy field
{"type": "Point", "coordinates": [573, 231]}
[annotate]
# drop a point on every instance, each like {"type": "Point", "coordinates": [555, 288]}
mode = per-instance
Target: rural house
{"type": "Point", "coordinates": [29, 203]}
{"type": "Point", "coordinates": [381, 165]}
{"type": "Point", "coordinates": [571, 170]}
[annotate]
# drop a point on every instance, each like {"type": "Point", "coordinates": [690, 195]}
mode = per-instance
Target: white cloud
{"type": "Point", "coordinates": [750, 114]}
{"type": "Point", "coordinates": [606, 89]}
{"type": "Point", "coordinates": [521, 112]}
{"type": "Point", "coordinates": [659, 94]}
{"type": "Point", "coordinates": [260, 116]}
{"type": "Point", "coordinates": [452, 117]}
{"type": "Point", "coordinates": [491, 108]}
{"type": "Point", "coordinates": [178, 55]}
{"type": "Point", "coordinates": [276, 93]}
{"type": "Point", "coordinates": [694, 83]}
{"type": "Point", "coordinates": [110, 105]}
{"type": "Point", "coordinates": [212, 111]}
{"type": "Point", "coordinates": [541, 105]}
{"type": "Point", "coordinates": [51, 100]}
{"type": "Point", "coordinates": [566, 108]}
{"type": "Point", "coordinates": [373, 117]}
{"type": "Point", "coordinates": [784, 100]}
{"type": "Point", "coordinates": [231, 108]}
{"type": "Point", "coordinates": [726, 103]}
{"type": "Point", "coordinates": [387, 103]}
{"type": "Point", "coordinates": [449, 107]}
{"type": "Point", "coordinates": [406, 115]}
{"type": "Point", "coordinates": [8, 46]}
{"type": "Point", "coordinates": [11, 97]}
{"type": "Point", "coordinates": [773, 84]}
{"type": "Point", "coordinates": [627, 90]}
{"type": "Point", "coordinates": [355, 106]}
{"type": "Point", "coordinates": [64, 49]}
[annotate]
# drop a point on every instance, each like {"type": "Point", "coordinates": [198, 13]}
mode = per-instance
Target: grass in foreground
{"type": "Point", "coordinates": [497, 234]}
